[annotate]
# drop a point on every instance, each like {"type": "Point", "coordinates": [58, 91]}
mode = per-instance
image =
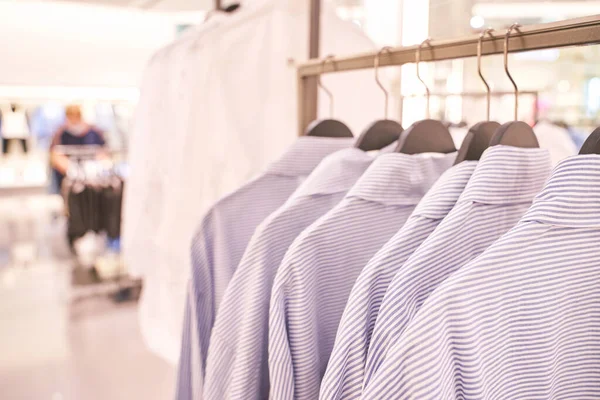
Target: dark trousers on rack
{"type": "Point", "coordinates": [6, 141]}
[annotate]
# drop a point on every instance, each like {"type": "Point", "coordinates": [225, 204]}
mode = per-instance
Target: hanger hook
{"type": "Point", "coordinates": [376, 65]}
{"type": "Point", "coordinates": [330, 58]}
{"type": "Point", "coordinates": [512, 27]}
{"type": "Point", "coordinates": [487, 87]}
{"type": "Point", "coordinates": [418, 60]}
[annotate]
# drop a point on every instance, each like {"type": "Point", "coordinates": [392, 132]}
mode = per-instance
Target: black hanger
{"type": "Point", "coordinates": [480, 135]}
{"type": "Point", "coordinates": [229, 10]}
{"type": "Point", "coordinates": [328, 127]}
{"type": "Point", "coordinates": [378, 135]}
{"type": "Point", "coordinates": [477, 141]}
{"type": "Point", "coordinates": [516, 133]}
{"type": "Point", "coordinates": [592, 143]}
{"type": "Point", "coordinates": [232, 7]}
{"type": "Point", "coordinates": [427, 135]}
{"type": "Point", "coordinates": [384, 132]}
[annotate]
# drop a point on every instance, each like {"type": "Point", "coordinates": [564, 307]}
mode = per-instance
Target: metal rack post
{"type": "Point", "coordinates": [307, 86]}
{"type": "Point", "coordinates": [571, 32]}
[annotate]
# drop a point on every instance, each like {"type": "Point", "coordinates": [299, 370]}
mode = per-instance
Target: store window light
{"type": "Point", "coordinates": [564, 86]}
{"type": "Point", "coordinates": [353, 14]}
{"type": "Point", "coordinates": [593, 96]}
{"type": "Point", "coordinates": [477, 22]}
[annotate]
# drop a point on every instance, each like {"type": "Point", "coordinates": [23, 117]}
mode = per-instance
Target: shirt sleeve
{"type": "Point", "coordinates": [281, 370]}
{"type": "Point", "coordinates": [56, 137]}
{"type": "Point", "coordinates": [346, 369]}
{"type": "Point", "coordinates": [237, 367]}
{"type": "Point", "coordinates": [343, 377]}
{"type": "Point", "coordinates": [198, 316]}
{"type": "Point", "coordinates": [394, 307]}
{"type": "Point", "coordinates": [421, 364]}
{"type": "Point", "coordinates": [189, 374]}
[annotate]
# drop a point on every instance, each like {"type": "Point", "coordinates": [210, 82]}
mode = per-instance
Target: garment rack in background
{"type": "Point", "coordinates": [571, 32]}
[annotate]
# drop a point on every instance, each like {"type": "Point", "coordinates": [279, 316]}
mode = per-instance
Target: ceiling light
{"type": "Point", "coordinates": [477, 22]}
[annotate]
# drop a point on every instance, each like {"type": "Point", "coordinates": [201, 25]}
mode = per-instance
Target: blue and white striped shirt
{"type": "Point", "coordinates": [221, 240]}
{"type": "Point", "coordinates": [522, 321]}
{"type": "Point", "coordinates": [500, 191]}
{"type": "Point", "coordinates": [318, 271]}
{"type": "Point", "coordinates": [237, 366]}
{"type": "Point", "coordinates": [345, 371]}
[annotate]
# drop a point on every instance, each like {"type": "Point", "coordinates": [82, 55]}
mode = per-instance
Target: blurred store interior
{"type": "Point", "coordinates": [71, 325]}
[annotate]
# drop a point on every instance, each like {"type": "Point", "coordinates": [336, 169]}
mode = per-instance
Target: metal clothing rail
{"type": "Point", "coordinates": [571, 32]}
{"type": "Point", "coordinates": [474, 94]}
{"type": "Point", "coordinates": [89, 150]}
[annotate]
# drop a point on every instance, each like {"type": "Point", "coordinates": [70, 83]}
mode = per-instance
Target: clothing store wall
{"type": "Point", "coordinates": [79, 44]}
{"type": "Point", "coordinates": [216, 107]}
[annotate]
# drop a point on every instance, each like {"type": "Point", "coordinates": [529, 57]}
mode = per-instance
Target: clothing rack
{"type": "Point", "coordinates": [571, 32]}
{"type": "Point", "coordinates": [82, 151]}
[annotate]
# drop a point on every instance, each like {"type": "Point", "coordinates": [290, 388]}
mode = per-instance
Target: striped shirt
{"type": "Point", "coordinates": [237, 357]}
{"type": "Point", "coordinates": [344, 376]}
{"type": "Point", "coordinates": [500, 191]}
{"type": "Point", "coordinates": [522, 321]}
{"type": "Point", "coordinates": [220, 241]}
{"type": "Point", "coordinates": [318, 271]}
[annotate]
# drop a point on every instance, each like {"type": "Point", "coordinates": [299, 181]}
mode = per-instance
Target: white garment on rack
{"type": "Point", "coordinates": [556, 140]}
{"type": "Point", "coordinates": [215, 109]}
{"type": "Point", "coordinates": [14, 125]}
{"type": "Point", "coordinates": [458, 135]}
{"type": "Point", "coordinates": [153, 157]}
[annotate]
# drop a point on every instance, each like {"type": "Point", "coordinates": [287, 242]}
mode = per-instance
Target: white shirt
{"type": "Point", "coordinates": [14, 125]}
{"type": "Point", "coordinates": [151, 192]}
{"type": "Point", "coordinates": [205, 135]}
{"type": "Point", "coordinates": [556, 140]}
{"type": "Point", "coordinates": [239, 95]}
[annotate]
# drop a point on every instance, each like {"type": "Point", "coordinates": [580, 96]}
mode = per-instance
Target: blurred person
{"type": "Point", "coordinates": [15, 127]}
{"type": "Point", "coordinates": [74, 132]}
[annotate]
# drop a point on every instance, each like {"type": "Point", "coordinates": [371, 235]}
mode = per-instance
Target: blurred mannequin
{"type": "Point", "coordinates": [14, 128]}
{"type": "Point", "coordinates": [75, 132]}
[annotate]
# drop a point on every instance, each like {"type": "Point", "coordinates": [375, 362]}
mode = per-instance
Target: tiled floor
{"type": "Point", "coordinates": [50, 346]}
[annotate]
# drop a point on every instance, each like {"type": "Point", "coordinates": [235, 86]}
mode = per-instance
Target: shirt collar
{"type": "Point", "coordinates": [571, 197]}
{"type": "Point", "coordinates": [442, 196]}
{"type": "Point", "coordinates": [401, 179]}
{"type": "Point", "coordinates": [305, 154]}
{"type": "Point", "coordinates": [508, 175]}
{"type": "Point", "coordinates": [336, 173]}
